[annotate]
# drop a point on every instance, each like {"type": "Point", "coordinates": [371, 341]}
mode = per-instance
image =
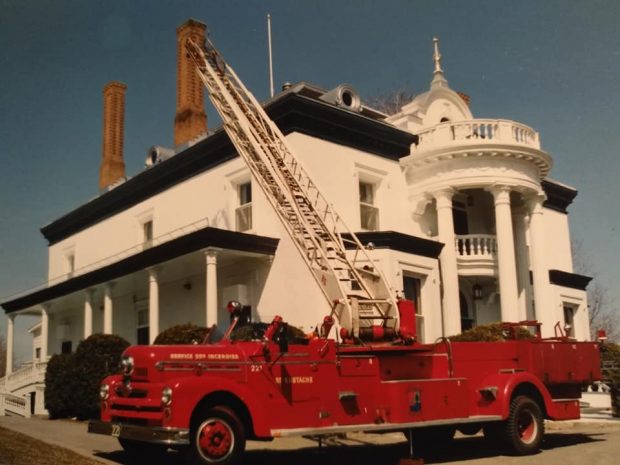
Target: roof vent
{"type": "Point", "coordinates": [157, 154]}
{"type": "Point", "coordinates": [344, 96]}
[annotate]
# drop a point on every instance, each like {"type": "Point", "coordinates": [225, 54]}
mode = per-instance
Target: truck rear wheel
{"type": "Point", "coordinates": [218, 438]}
{"type": "Point", "coordinates": [524, 428]}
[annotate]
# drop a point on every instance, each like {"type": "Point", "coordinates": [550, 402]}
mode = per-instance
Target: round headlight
{"type": "Point", "coordinates": [104, 391]}
{"type": "Point", "coordinates": [166, 396]}
{"type": "Point", "coordinates": [127, 365]}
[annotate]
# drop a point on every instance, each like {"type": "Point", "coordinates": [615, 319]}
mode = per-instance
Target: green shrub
{"type": "Point", "coordinates": [72, 380]}
{"type": "Point", "coordinates": [182, 334]}
{"type": "Point", "coordinates": [493, 332]}
{"type": "Point", "coordinates": [60, 386]}
{"type": "Point", "coordinates": [95, 358]}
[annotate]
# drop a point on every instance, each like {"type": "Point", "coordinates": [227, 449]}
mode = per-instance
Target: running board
{"type": "Point", "coordinates": [374, 428]}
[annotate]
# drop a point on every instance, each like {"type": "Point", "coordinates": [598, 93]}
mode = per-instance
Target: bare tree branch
{"type": "Point", "coordinates": [603, 312]}
{"type": "Point", "coordinates": [391, 102]}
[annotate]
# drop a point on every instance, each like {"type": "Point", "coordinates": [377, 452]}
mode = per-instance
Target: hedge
{"type": "Point", "coordinates": [182, 334]}
{"type": "Point", "coordinates": [72, 380]}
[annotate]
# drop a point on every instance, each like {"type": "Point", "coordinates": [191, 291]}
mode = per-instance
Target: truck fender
{"type": "Point", "coordinates": [193, 390]}
{"type": "Point", "coordinates": [509, 384]}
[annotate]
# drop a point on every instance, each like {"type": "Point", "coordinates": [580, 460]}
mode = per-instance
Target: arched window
{"type": "Point", "coordinates": [444, 120]}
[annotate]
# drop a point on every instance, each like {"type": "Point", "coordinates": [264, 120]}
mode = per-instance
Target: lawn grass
{"type": "Point", "coordinates": [19, 449]}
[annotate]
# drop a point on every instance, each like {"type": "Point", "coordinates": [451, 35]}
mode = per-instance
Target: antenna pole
{"type": "Point", "coordinates": [270, 55]}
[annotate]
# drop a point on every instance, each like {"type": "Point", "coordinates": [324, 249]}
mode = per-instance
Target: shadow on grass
{"type": "Point", "coordinates": [365, 453]}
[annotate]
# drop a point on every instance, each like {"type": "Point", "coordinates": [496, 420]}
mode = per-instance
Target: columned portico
{"type": "Point", "coordinates": [153, 303]}
{"type": "Point", "coordinates": [211, 286]}
{"type": "Point", "coordinates": [88, 312]}
{"type": "Point", "coordinates": [107, 308]}
{"type": "Point", "coordinates": [543, 311]}
{"type": "Point", "coordinates": [449, 273]}
{"type": "Point", "coordinates": [10, 328]}
{"type": "Point", "coordinates": [506, 254]}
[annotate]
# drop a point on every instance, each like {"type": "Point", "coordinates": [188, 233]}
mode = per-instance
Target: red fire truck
{"type": "Point", "coordinates": [372, 375]}
{"type": "Point", "coordinates": [211, 398]}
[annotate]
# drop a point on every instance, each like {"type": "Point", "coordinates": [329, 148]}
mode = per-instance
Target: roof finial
{"type": "Point", "coordinates": [437, 55]}
{"type": "Point", "coordinates": [438, 77]}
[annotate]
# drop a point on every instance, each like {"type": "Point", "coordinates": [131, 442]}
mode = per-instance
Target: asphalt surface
{"type": "Point", "coordinates": [592, 442]}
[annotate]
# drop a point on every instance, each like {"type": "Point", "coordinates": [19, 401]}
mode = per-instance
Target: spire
{"type": "Point", "coordinates": [438, 78]}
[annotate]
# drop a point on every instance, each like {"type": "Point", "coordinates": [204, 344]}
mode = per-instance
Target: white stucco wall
{"type": "Point", "coordinates": [558, 246]}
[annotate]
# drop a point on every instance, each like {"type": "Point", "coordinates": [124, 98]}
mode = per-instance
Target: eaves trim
{"type": "Point", "coordinates": [206, 237]}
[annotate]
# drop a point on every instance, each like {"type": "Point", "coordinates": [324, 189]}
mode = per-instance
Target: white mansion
{"type": "Point", "coordinates": [462, 214]}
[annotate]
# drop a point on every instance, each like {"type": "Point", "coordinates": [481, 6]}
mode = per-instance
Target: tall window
{"type": "Point", "coordinates": [243, 213]}
{"type": "Point", "coordinates": [411, 289]}
{"type": "Point", "coordinates": [70, 264]}
{"type": "Point", "coordinates": [147, 233]}
{"type": "Point", "coordinates": [569, 320]}
{"type": "Point", "coordinates": [369, 213]}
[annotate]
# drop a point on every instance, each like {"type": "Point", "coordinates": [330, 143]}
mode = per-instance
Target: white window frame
{"type": "Point", "coordinates": [243, 211]}
{"type": "Point", "coordinates": [374, 178]}
{"type": "Point", "coordinates": [143, 219]}
{"type": "Point", "coordinates": [69, 255]}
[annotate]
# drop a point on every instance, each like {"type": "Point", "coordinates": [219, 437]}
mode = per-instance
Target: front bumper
{"type": "Point", "coordinates": [155, 435]}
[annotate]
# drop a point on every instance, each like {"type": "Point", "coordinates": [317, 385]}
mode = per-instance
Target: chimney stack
{"type": "Point", "coordinates": [191, 119]}
{"type": "Point", "coordinates": [112, 164]}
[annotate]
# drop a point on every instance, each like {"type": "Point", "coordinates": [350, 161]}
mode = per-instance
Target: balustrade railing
{"type": "Point", "coordinates": [478, 131]}
{"type": "Point", "coordinates": [14, 405]}
{"type": "Point", "coordinates": [168, 236]}
{"type": "Point", "coordinates": [31, 373]}
{"type": "Point", "coordinates": [476, 246]}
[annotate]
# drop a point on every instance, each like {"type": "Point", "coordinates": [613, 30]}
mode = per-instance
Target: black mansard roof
{"type": "Point", "coordinates": [297, 110]}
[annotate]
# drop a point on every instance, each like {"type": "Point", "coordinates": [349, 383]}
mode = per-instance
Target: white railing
{"type": "Point", "coordinates": [478, 131]}
{"type": "Point", "coordinates": [476, 246]}
{"type": "Point", "coordinates": [29, 374]}
{"type": "Point", "coordinates": [174, 234]}
{"type": "Point", "coordinates": [14, 405]}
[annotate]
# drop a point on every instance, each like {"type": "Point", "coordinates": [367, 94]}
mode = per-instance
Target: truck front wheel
{"type": "Point", "coordinates": [217, 438]}
{"type": "Point", "coordinates": [524, 428]}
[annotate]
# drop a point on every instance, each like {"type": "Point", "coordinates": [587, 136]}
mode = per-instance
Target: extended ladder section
{"type": "Point", "coordinates": [355, 288]}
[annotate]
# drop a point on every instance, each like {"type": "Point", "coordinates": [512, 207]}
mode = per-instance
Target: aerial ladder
{"type": "Point", "coordinates": [355, 288]}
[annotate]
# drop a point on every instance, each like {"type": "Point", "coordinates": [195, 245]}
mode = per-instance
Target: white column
{"type": "Point", "coordinates": [44, 331]}
{"type": "Point", "coordinates": [451, 312]}
{"type": "Point", "coordinates": [211, 276]}
{"type": "Point", "coordinates": [519, 219]}
{"type": "Point", "coordinates": [107, 308]}
{"type": "Point", "coordinates": [543, 310]}
{"type": "Point", "coordinates": [506, 254]}
{"type": "Point", "coordinates": [10, 328]}
{"type": "Point", "coordinates": [88, 312]}
{"type": "Point", "coordinates": [153, 304]}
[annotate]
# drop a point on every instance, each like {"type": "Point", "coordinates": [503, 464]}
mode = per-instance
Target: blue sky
{"type": "Point", "coordinates": [553, 65]}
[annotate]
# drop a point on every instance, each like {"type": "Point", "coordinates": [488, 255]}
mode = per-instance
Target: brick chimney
{"type": "Point", "coordinates": [112, 164]}
{"type": "Point", "coordinates": [191, 119]}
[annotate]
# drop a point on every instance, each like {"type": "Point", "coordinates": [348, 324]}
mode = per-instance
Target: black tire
{"type": "Point", "coordinates": [217, 438]}
{"type": "Point", "coordinates": [524, 428]}
{"type": "Point", "coordinates": [142, 452]}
